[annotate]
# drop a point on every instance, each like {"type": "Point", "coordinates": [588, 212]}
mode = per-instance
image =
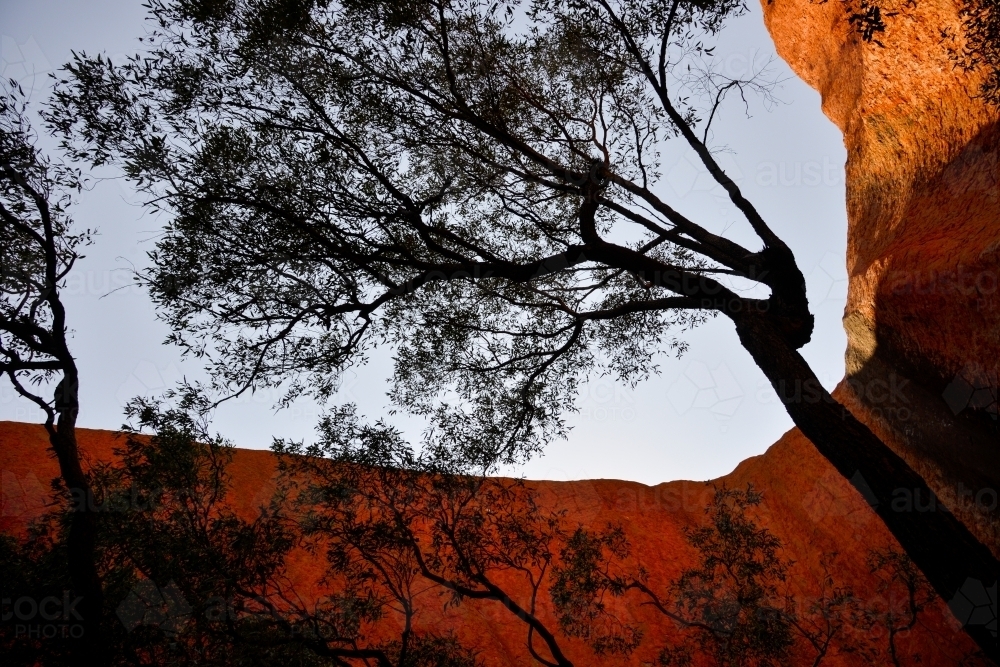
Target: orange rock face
{"type": "Point", "coordinates": [923, 203]}
{"type": "Point", "coordinates": [807, 505]}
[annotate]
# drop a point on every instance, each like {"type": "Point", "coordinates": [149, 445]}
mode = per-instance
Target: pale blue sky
{"type": "Point", "coordinates": [704, 414]}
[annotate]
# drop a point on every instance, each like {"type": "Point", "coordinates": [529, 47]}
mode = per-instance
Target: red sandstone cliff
{"type": "Point", "coordinates": [808, 506]}
{"type": "Point", "coordinates": [923, 255]}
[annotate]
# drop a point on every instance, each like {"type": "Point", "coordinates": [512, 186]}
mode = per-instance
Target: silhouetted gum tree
{"type": "Point", "coordinates": [401, 534]}
{"type": "Point", "coordinates": [38, 248]}
{"type": "Point", "coordinates": [394, 524]}
{"type": "Point", "coordinates": [733, 608]}
{"type": "Point", "coordinates": [475, 186]}
{"type": "Point", "coordinates": [728, 608]}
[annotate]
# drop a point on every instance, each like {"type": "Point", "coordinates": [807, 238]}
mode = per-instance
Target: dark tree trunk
{"type": "Point", "coordinates": [82, 539]}
{"type": "Point", "coordinates": [937, 542]}
{"type": "Point", "coordinates": [43, 255]}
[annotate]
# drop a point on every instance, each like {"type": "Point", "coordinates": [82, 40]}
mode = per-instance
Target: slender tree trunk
{"type": "Point", "coordinates": [937, 542]}
{"type": "Point", "coordinates": [82, 539]}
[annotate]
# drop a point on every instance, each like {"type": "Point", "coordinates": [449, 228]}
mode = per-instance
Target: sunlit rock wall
{"type": "Point", "coordinates": [923, 254]}
{"type": "Point", "coordinates": [824, 525]}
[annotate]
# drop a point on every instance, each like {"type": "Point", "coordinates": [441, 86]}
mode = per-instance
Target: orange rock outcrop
{"type": "Point", "coordinates": [923, 255]}
{"type": "Point", "coordinates": [808, 506]}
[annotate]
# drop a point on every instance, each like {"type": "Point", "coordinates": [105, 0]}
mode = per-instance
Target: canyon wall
{"type": "Point", "coordinates": [923, 257]}
{"type": "Point", "coordinates": [823, 524]}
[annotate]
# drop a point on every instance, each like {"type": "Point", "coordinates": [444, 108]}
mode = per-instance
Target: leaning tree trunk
{"type": "Point", "coordinates": [82, 539]}
{"type": "Point", "coordinates": [937, 542]}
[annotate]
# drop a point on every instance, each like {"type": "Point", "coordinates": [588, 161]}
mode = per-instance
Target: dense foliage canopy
{"type": "Point", "coordinates": [473, 184]}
